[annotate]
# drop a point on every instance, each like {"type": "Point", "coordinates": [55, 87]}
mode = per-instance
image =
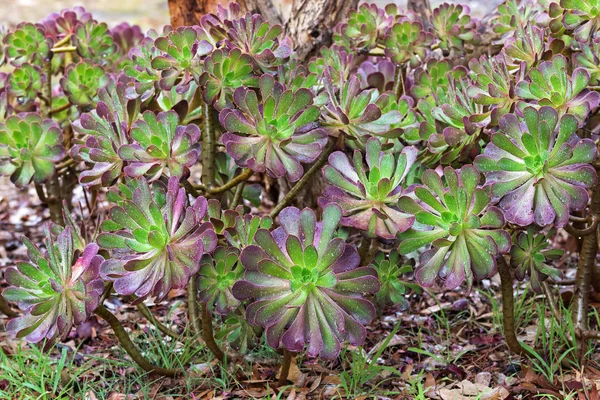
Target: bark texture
{"type": "Point", "coordinates": [312, 21]}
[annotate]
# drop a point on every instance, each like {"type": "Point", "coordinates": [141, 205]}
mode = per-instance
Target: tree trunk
{"type": "Point", "coordinates": [312, 21]}
{"type": "Point", "coordinates": [189, 12]}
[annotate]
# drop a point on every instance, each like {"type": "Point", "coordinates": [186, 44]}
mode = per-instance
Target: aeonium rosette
{"type": "Point", "coordinates": [307, 285]}
{"type": "Point", "coordinates": [538, 167]}
{"type": "Point", "coordinates": [369, 195]}
{"type": "Point", "coordinates": [58, 288]}
{"type": "Point", "coordinates": [274, 134]}
{"type": "Point", "coordinates": [464, 230]}
{"type": "Point", "coordinates": [29, 148]}
{"type": "Point", "coordinates": [551, 85]}
{"type": "Point", "coordinates": [157, 242]}
{"type": "Point", "coordinates": [530, 256]}
{"type": "Point", "coordinates": [162, 147]}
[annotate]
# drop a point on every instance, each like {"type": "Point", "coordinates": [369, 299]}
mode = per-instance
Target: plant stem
{"type": "Point", "coordinates": [145, 311]}
{"type": "Point", "coordinates": [64, 49]}
{"type": "Point", "coordinates": [242, 177]}
{"type": "Point", "coordinates": [285, 367]}
{"type": "Point", "coordinates": [237, 196]}
{"type": "Point", "coordinates": [207, 333]}
{"type": "Point", "coordinates": [59, 109]}
{"type": "Point", "coordinates": [6, 309]}
{"type": "Point", "coordinates": [305, 179]}
{"type": "Point", "coordinates": [508, 308]}
{"type": "Point", "coordinates": [551, 299]}
{"type": "Point", "coordinates": [192, 301]}
{"type": "Point", "coordinates": [131, 348]}
{"type": "Point", "coordinates": [587, 257]}
{"type": "Point", "coordinates": [63, 41]}
{"type": "Point", "coordinates": [208, 148]}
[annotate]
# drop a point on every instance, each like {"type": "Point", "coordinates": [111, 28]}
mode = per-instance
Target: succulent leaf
{"type": "Point", "coordinates": [464, 230]}
{"type": "Point", "coordinates": [538, 168]}
{"type": "Point", "coordinates": [529, 256]}
{"type": "Point", "coordinates": [58, 288]}
{"type": "Point", "coordinates": [274, 134]}
{"type": "Point", "coordinates": [368, 195]}
{"type": "Point", "coordinates": [29, 148]}
{"type": "Point", "coordinates": [307, 286]}
{"type": "Point", "coordinates": [156, 247]}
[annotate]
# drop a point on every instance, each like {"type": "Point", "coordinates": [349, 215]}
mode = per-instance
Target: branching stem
{"type": "Point", "coordinates": [304, 180]}
{"type": "Point", "coordinates": [131, 348]}
{"type": "Point", "coordinates": [145, 311]}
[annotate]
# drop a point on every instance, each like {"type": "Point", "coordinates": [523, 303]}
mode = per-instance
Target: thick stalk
{"type": "Point", "coordinates": [55, 199]}
{"type": "Point", "coordinates": [192, 301]}
{"type": "Point", "coordinates": [305, 179]}
{"type": "Point", "coordinates": [145, 311]}
{"type": "Point", "coordinates": [6, 309]}
{"type": "Point", "coordinates": [285, 367]}
{"type": "Point", "coordinates": [587, 258]}
{"type": "Point", "coordinates": [508, 308]}
{"type": "Point", "coordinates": [130, 347]}
{"type": "Point", "coordinates": [208, 148]}
{"type": "Point", "coordinates": [207, 334]}
{"type": "Point", "coordinates": [242, 177]}
{"type": "Point", "coordinates": [237, 196]}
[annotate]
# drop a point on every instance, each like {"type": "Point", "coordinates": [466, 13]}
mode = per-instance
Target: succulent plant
{"type": "Point", "coordinates": [126, 37]}
{"type": "Point", "coordinates": [156, 247]}
{"type": "Point", "coordinates": [363, 28]}
{"type": "Point", "coordinates": [257, 38]}
{"type": "Point", "coordinates": [527, 45]}
{"type": "Point", "coordinates": [241, 233]}
{"type": "Point", "coordinates": [27, 44]}
{"type": "Point", "coordinates": [538, 167]}
{"type": "Point", "coordinates": [513, 14]}
{"type": "Point", "coordinates": [181, 50]}
{"type": "Point", "coordinates": [161, 144]}
{"type": "Point", "coordinates": [307, 286]}
{"type": "Point", "coordinates": [25, 83]}
{"type": "Point", "coordinates": [217, 274]}
{"type": "Point", "coordinates": [57, 289]}
{"type": "Point", "coordinates": [239, 333]}
{"type": "Point", "coordinates": [81, 83]}
{"type": "Point", "coordinates": [407, 42]}
{"type": "Point", "coordinates": [29, 148]}
{"type": "Point", "coordinates": [356, 112]}
{"type": "Point", "coordinates": [94, 41]}
{"type": "Point", "coordinates": [224, 72]}
{"type": "Point", "coordinates": [59, 25]}
{"type": "Point", "coordinates": [464, 230]}
{"type": "Point", "coordinates": [294, 75]}
{"type": "Point", "coordinates": [369, 195]}
{"type": "Point", "coordinates": [104, 130]}
{"type": "Point", "coordinates": [493, 86]}
{"type": "Point", "coordinates": [393, 288]}
{"type": "Point", "coordinates": [141, 70]}
{"type": "Point", "coordinates": [278, 131]}
{"type": "Point", "coordinates": [589, 60]}
{"type": "Point", "coordinates": [459, 122]}
{"type": "Point", "coordinates": [336, 61]}
{"type": "Point", "coordinates": [582, 17]}
{"type": "Point", "coordinates": [435, 78]}
{"type": "Point", "coordinates": [550, 85]}
{"type": "Point", "coordinates": [452, 26]}
{"type": "Point", "coordinates": [529, 256]}
{"type": "Point", "coordinates": [380, 75]}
